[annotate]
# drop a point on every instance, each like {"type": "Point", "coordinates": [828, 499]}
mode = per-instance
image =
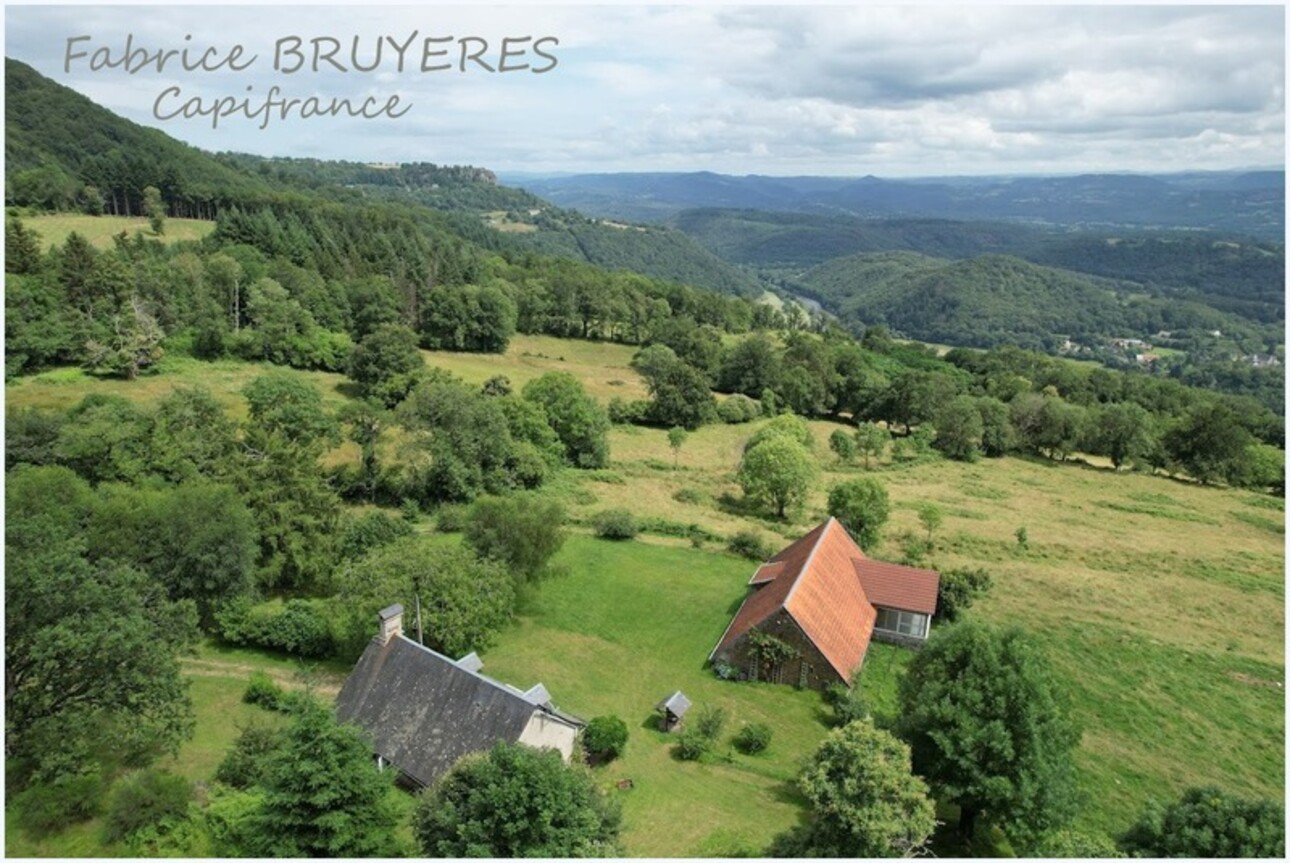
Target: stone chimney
{"type": "Point", "coordinates": [391, 623]}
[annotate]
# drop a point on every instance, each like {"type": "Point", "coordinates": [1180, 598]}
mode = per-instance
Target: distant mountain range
{"type": "Point", "coordinates": [1249, 203]}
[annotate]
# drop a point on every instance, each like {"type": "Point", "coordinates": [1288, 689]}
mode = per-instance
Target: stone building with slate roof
{"type": "Point", "coordinates": [424, 711]}
{"type": "Point", "coordinates": [815, 606]}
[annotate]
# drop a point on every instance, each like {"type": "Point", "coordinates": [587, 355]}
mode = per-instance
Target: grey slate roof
{"type": "Point", "coordinates": [676, 704]}
{"type": "Point", "coordinates": [423, 711]}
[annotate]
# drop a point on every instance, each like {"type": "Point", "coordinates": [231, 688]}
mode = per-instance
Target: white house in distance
{"type": "Point", "coordinates": [424, 711]}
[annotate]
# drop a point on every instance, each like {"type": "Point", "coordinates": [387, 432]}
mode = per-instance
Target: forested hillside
{"type": "Point", "coordinates": [1249, 203]}
{"type": "Point", "coordinates": [997, 299]}
{"type": "Point", "coordinates": [64, 152]}
{"type": "Point", "coordinates": [500, 217]}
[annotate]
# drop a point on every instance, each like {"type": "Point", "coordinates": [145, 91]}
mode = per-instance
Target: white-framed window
{"type": "Point", "coordinates": [902, 622]}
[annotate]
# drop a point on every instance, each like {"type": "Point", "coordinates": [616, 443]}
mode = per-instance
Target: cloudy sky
{"type": "Point", "coordinates": [839, 90]}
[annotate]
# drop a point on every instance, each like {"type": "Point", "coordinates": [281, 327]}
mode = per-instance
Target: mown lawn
{"type": "Point", "coordinates": [100, 230]}
{"type": "Point", "coordinates": [628, 625]}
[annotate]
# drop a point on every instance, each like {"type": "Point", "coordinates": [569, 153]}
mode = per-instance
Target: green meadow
{"type": "Point", "coordinates": [1159, 602]}
{"type": "Point", "coordinates": [100, 230]}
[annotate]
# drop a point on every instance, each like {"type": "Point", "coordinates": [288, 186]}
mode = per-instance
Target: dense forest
{"type": "Point", "coordinates": [505, 218]}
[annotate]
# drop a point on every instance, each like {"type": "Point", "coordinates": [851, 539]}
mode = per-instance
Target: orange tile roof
{"type": "Point", "coordinates": [891, 585]}
{"type": "Point", "coordinates": [814, 580]}
{"type": "Point", "coordinates": [767, 572]}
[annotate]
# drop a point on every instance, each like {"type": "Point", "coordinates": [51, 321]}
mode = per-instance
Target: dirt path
{"type": "Point", "coordinates": [324, 683]}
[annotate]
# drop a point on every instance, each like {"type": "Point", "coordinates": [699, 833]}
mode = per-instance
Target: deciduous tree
{"type": "Point", "coordinates": [464, 600]}
{"type": "Point", "coordinates": [778, 472]}
{"type": "Point", "coordinates": [988, 728]}
{"type": "Point", "coordinates": [515, 801]}
{"type": "Point", "coordinates": [864, 800]}
{"type": "Point", "coordinates": [1209, 822]}
{"type": "Point", "coordinates": [862, 507]}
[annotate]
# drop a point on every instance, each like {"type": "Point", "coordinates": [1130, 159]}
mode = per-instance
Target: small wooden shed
{"type": "Point", "coordinates": [672, 710]}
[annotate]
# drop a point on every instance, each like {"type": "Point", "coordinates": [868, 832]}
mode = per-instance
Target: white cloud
{"type": "Point", "coordinates": [771, 90]}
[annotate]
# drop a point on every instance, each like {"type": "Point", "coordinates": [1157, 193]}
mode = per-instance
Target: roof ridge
{"type": "Point", "coordinates": [806, 564]}
{"type": "Point", "coordinates": [504, 687]}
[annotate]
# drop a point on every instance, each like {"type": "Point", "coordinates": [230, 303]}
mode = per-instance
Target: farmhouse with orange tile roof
{"type": "Point", "coordinates": [815, 606]}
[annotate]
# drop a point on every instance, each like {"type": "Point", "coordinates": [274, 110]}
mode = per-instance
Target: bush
{"type": "Point", "coordinates": [959, 588]}
{"type": "Point", "coordinates": [623, 412]}
{"type": "Point", "coordinates": [521, 531]}
{"type": "Point", "coordinates": [146, 798]}
{"type": "Point", "coordinates": [847, 703]}
{"type": "Point", "coordinates": [301, 627]}
{"type": "Point", "coordinates": [246, 763]}
{"type": "Point", "coordinates": [615, 524]}
{"type": "Point", "coordinates": [263, 692]}
{"type": "Point", "coordinates": [738, 409]}
{"type": "Point", "coordinates": [690, 495]}
{"type": "Point", "coordinates": [749, 544]}
{"type": "Point", "coordinates": [691, 745]}
{"type": "Point", "coordinates": [452, 518]}
{"type": "Point", "coordinates": [753, 738]}
{"type": "Point", "coordinates": [709, 720]}
{"type": "Point", "coordinates": [605, 737]}
{"type": "Point", "coordinates": [371, 531]}
{"type": "Point", "coordinates": [725, 671]}
{"type": "Point", "coordinates": [51, 806]}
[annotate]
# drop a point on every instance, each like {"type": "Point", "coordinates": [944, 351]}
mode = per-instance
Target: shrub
{"type": "Point", "coordinates": [146, 798]}
{"type": "Point", "coordinates": [605, 737]}
{"type": "Point", "coordinates": [51, 806]}
{"type": "Point", "coordinates": [371, 531]}
{"type": "Point", "coordinates": [725, 671]}
{"type": "Point", "coordinates": [698, 536]}
{"type": "Point", "coordinates": [709, 720]}
{"type": "Point", "coordinates": [410, 510]}
{"type": "Point", "coordinates": [753, 738]}
{"type": "Point", "coordinates": [301, 627]}
{"type": "Point", "coordinates": [847, 703]}
{"type": "Point", "coordinates": [615, 524]}
{"type": "Point", "coordinates": [691, 745]}
{"type": "Point", "coordinates": [624, 412]}
{"type": "Point", "coordinates": [689, 495]}
{"type": "Point", "coordinates": [452, 518]}
{"type": "Point", "coordinates": [738, 409]}
{"type": "Point", "coordinates": [959, 588]}
{"type": "Point", "coordinates": [247, 761]}
{"type": "Point", "coordinates": [521, 531]}
{"type": "Point", "coordinates": [262, 691]}
{"type": "Point", "coordinates": [749, 544]}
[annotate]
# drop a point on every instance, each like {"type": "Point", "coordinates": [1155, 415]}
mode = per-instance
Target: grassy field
{"type": "Point", "coordinates": [630, 624]}
{"type": "Point", "coordinates": [100, 230]}
{"type": "Point", "coordinates": [1159, 602]}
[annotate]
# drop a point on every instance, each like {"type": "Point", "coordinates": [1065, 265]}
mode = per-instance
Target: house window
{"type": "Point", "coordinates": [803, 670]}
{"type": "Point", "coordinates": [902, 622]}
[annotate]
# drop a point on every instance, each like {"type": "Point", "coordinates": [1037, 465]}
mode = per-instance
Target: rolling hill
{"type": "Point", "coordinates": [1250, 202]}
{"type": "Point", "coordinates": [994, 299]}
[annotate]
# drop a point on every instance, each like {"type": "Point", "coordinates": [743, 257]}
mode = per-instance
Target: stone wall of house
{"type": "Point", "coordinates": [808, 670]}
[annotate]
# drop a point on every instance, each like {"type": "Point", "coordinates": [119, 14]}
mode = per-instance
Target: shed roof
{"type": "Point", "coordinates": [676, 704]}
{"type": "Point", "coordinates": [423, 711]}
